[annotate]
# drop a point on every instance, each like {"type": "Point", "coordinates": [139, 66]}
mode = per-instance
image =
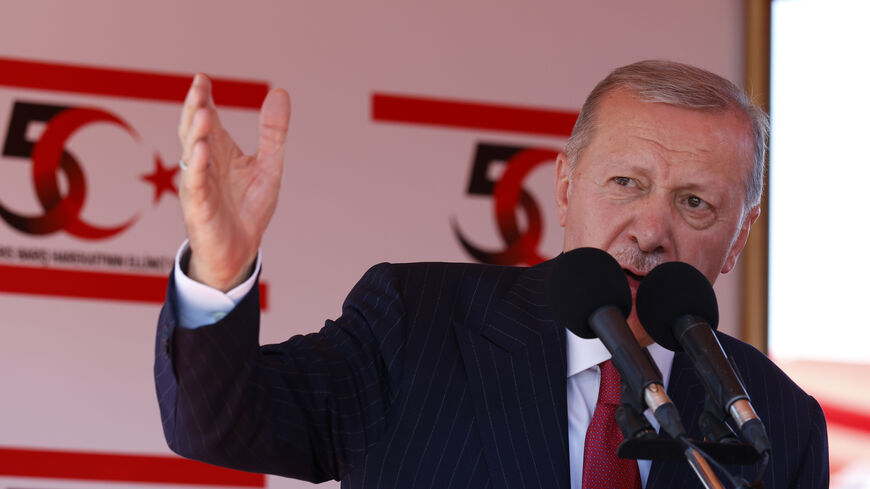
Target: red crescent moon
{"type": "Point", "coordinates": [47, 155]}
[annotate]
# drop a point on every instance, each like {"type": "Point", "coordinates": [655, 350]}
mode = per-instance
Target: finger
{"type": "Point", "coordinates": [196, 168]}
{"type": "Point", "coordinates": [198, 181]}
{"type": "Point", "coordinates": [198, 96]}
{"type": "Point", "coordinates": [200, 128]}
{"type": "Point", "coordinates": [274, 121]}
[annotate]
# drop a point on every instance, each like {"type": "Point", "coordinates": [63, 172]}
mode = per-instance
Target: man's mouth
{"type": "Point", "coordinates": [633, 275]}
{"type": "Point", "coordinates": [633, 280]}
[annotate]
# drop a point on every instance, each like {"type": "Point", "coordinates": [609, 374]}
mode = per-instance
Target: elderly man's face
{"type": "Point", "coordinates": [659, 183]}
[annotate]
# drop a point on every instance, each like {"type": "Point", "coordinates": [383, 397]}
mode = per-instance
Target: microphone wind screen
{"type": "Point", "coordinates": [670, 291]}
{"type": "Point", "coordinates": [583, 280]}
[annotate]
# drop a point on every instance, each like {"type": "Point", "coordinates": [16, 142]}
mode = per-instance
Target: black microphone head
{"type": "Point", "coordinates": [670, 291]}
{"type": "Point", "coordinates": [583, 280]}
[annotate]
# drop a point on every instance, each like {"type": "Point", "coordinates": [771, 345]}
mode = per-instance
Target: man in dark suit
{"type": "Point", "coordinates": [454, 375]}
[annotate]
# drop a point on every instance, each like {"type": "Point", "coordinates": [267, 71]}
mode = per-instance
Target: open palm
{"type": "Point", "coordinates": [227, 197]}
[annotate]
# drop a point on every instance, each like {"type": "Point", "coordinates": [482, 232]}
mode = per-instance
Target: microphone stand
{"type": "Point", "coordinates": [713, 425]}
{"type": "Point", "coordinates": [642, 442]}
{"type": "Point", "coordinates": [702, 469]}
{"type": "Point", "coordinates": [635, 427]}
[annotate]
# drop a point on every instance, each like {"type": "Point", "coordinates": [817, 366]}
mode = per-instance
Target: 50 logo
{"type": "Point", "coordinates": [49, 157]}
{"type": "Point", "coordinates": [508, 192]}
{"type": "Point", "coordinates": [108, 124]}
{"type": "Point", "coordinates": [58, 175]}
{"type": "Point", "coordinates": [509, 197]}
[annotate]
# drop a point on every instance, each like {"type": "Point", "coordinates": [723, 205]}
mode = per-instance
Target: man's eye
{"type": "Point", "coordinates": [624, 181]}
{"type": "Point", "coordinates": [696, 203]}
{"type": "Point", "coordinates": [698, 212]}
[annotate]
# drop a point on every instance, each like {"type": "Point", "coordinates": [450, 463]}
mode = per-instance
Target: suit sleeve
{"type": "Point", "coordinates": [813, 469]}
{"type": "Point", "coordinates": [307, 408]}
{"type": "Point", "coordinates": [795, 422]}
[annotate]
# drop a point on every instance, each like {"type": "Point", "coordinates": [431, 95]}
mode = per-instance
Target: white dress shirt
{"type": "Point", "coordinates": [584, 378]}
{"type": "Point", "coordinates": [201, 305]}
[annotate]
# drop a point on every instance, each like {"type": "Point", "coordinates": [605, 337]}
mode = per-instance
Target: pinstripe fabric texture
{"type": "Point", "coordinates": [795, 422]}
{"type": "Point", "coordinates": [436, 375]}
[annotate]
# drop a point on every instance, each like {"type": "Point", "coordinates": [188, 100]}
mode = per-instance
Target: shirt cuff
{"type": "Point", "coordinates": [201, 305]}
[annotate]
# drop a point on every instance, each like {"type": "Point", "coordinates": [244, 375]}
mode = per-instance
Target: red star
{"type": "Point", "coordinates": [162, 179]}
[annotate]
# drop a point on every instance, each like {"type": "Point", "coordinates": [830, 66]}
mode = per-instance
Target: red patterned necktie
{"type": "Point", "coordinates": [602, 469]}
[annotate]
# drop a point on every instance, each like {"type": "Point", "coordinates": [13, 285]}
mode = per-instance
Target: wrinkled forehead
{"type": "Point", "coordinates": [623, 119]}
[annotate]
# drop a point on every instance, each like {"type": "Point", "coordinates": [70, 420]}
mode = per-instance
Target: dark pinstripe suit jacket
{"type": "Point", "coordinates": [436, 375]}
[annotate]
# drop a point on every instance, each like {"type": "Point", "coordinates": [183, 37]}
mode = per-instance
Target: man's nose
{"type": "Point", "coordinates": [651, 228]}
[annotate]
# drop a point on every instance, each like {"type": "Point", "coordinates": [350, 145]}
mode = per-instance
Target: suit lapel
{"type": "Point", "coordinates": [687, 393]}
{"type": "Point", "coordinates": [514, 354]}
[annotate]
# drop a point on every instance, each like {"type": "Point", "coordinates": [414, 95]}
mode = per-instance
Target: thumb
{"type": "Point", "coordinates": [274, 121]}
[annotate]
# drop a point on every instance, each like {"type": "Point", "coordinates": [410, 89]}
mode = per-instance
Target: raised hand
{"type": "Point", "coordinates": [227, 197]}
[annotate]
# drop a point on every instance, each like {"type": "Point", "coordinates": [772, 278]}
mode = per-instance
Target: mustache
{"type": "Point", "coordinates": [640, 261]}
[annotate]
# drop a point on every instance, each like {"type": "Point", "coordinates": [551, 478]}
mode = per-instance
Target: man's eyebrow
{"type": "Point", "coordinates": [628, 164]}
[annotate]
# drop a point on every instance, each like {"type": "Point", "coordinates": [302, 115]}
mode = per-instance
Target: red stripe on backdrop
{"type": "Point", "coordinates": [474, 115]}
{"type": "Point", "coordinates": [85, 284]}
{"type": "Point", "coordinates": [54, 464]}
{"type": "Point", "coordinates": [846, 417]}
{"type": "Point", "coordinates": [146, 85]}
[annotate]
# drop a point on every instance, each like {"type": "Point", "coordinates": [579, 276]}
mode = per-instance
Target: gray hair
{"type": "Point", "coordinates": [679, 85]}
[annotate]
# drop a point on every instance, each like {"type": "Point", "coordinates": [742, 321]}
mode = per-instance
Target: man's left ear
{"type": "Point", "coordinates": [563, 185]}
{"type": "Point", "coordinates": [740, 242]}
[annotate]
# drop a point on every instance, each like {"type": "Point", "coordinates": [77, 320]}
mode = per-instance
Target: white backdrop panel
{"type": "Point", "coordinates": [76, 373]}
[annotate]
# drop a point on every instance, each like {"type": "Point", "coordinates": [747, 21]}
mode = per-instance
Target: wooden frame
{"type": "Point", "coordinates": [754, 261]}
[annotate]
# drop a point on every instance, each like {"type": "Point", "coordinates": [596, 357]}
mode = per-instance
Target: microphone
{"type": "Point", "coordinates": [590, 295]}
{"type": "Point", "coordinates": [677, 306]}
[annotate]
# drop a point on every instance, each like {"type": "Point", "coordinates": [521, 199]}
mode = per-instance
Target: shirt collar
{"type": "Point", "coordinates": [584, 353]}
